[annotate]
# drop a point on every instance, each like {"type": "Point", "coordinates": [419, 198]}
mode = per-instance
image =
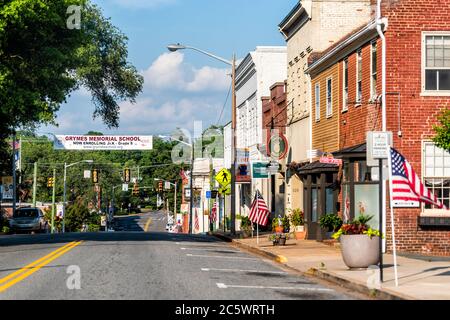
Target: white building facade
{"type": "Point", "coordinates": [259, 70]}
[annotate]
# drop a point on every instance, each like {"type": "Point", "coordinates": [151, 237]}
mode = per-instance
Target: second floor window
{"type": "Point", "coordinates": [317, 98]}
{"type": "Point", "coordinates": [359, 77]}
{"type": "Point", "coordinates": [329, 98]}
{"type": "Point", "coordinates": [373, 70]}
{"type": "Point", "coordinates": [345, 86]}
{"type": "Point", "coordinates": [437, 63]}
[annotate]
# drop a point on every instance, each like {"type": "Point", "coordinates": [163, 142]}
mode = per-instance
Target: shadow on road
{"type": "Point", "coordinates": [17, 240]}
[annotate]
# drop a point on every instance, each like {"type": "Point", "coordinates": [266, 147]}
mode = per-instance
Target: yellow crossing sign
{"type": "Point", "coordinates": [223, 177]}
{"type": "Point", "coordinates": [226, 191]}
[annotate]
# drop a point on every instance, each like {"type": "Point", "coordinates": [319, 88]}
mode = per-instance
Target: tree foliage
{"type": "Point", "coordinates": [442, 138]}
{"type": "Point", "coordinates": [42, 61]}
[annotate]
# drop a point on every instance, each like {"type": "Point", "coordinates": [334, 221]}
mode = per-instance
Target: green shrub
{"type": "Point", "coordinates": [297, 218]}
{"type": "Point", "coordinates": [330, 222]}
{"type": "Point", "coordinates": [5, 229]}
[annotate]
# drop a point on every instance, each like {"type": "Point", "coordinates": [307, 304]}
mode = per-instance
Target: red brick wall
{"type": "Point", "coordinates": [407, 20]}
{"type": "Point", "coordinates": [275, 106]}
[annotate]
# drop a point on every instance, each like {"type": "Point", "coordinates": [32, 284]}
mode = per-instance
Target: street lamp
{"type": "Point", "coordinates": [232, 63]}
{"type": "Point", "coordinates": [65, 188]}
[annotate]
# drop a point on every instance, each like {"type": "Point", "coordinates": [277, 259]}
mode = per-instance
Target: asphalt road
{"type": "Point", "coordinates": [135, 265]}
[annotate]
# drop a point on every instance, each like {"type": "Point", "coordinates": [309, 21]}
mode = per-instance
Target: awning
{"type": "Point", "coordinates": [317, 167]}
{"type": "Point", "coordinates": [358, 151]}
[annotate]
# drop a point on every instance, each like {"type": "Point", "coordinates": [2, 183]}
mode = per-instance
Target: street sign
{"type": "Point", "coordinates": [377, 146]}
{"type": "Point", "coordinates": [259, 170]}
{"type": "Point", "coordinates": [214, 194]}
{"type": "Point", "coordinates": [223, 177]}
{"type": "Point", "coordinates": [87, 174]}
{"type": "Point", "coordinates": [167, 185]}
{"type": "Point", "coordinates": [125, 187]}
{"type": "Point", "coordinates": [208, 194]}
{"type": "Point", "coordinates": [225, 191]}
{"type": "Point", "coordinates": [60, 211]}
{"type": "Point", "coordinates": [273, 168]}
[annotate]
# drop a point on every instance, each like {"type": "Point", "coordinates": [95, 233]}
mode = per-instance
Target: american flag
{"type": "Point", "coordinates": [197, 225]}
{"type": "Point", "coordinates": [259, 213]}
{"type": "Point", "coordinates": [406, 184]}
{"type": "Point", "coordinates": [213, 216]}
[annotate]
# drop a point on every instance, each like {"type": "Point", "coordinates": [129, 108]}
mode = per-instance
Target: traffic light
{"type": "Point", "coordinates": [127, 176]}
{"type": "Point", "coordinates": [136, 190]}
{"type": "Point", "coordinates": [50, 182]}
{"type": "Point", "coordinates": [160, 187]}
{"type": "Point", "coordinates": [94, 176]}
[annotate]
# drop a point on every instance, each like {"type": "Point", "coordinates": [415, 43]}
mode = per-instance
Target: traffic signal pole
{"type": "Point", "coordinates": [53, 200]}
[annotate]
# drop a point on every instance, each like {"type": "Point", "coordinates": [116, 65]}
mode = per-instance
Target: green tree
{"type": "Point", "coordinates": [442, 138]}
{"type": "Point", "coordinates": [42, 61]}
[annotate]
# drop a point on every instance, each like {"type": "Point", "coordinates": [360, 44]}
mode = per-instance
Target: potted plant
{"type": "Point", "coordinates": [286, 224]}
{"type": "Point", "coordinates": [279, 239]}
{"type": "Point", "coordinates": [246, 227]}
{"type": "Point", "coordinates": [277, 225]}
{"type": "Point", "coordinates": [360, 244]}
{"type": "Point", "coordinates": [238, 222]}
{"type": "Point", "coordinates": [331, 223]}
{"type": "Point", "coordinates": [298, 222]}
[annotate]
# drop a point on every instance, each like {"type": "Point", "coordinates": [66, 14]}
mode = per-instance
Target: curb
{"type": "Point", "coordinates": [383, 294]}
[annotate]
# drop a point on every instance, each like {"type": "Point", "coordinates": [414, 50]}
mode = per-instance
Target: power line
{"type": "Point", "coordinates": [224, 105]}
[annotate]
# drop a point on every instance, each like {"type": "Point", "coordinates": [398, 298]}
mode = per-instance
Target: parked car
{"type": "Point", "coordinates": [28, 220]}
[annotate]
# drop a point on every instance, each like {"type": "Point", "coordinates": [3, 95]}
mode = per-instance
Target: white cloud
{"type": "Point", "coordinates": [143, 4]}
{"type": "Point", "coordinates": [169, 71]}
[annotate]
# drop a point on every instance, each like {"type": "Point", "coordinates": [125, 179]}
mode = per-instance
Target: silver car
{"type": "Point", "coordinates": [28, 220]}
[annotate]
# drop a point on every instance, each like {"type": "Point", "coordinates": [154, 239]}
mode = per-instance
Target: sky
{"type": "Point", "coordinates": [184, 86]}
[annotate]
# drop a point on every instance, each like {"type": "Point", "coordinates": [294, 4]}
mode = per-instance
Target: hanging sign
{"type": "Point", "coordinates": [259, 170]}
{"type": "Point", "coordinates": [243, 174]}
{"type": "Point", "coordinates": [92, 143]}
{"type": "Point", "coordinates": [277, 146]}
{"type": "Point", "coordinates": [329, 159]}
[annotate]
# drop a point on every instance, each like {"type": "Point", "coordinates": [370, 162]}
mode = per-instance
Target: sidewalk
{"type": "Point", "coordinates": [419, 279]}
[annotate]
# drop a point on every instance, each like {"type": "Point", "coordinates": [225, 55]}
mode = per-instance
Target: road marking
{"type": "Point", "coordinates": [38, 266]}
{"type": "Point", "coordinates": [220, 257]}
{"type": "Point", "coordinates": [304, 288]}
{"type": "Point", "coordinates": [210, 249]}
{"type": "Point", "coordinates": [198, 245]}
{"type": "Point", "coordinates": [31, 265]}
{"type": "Point", "coordinates": [147, 225]}
{"type": "Point", "coordinates": [240, 270]}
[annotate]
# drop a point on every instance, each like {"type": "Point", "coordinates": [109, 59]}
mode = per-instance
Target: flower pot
{"type": "Point", "coordinates": [300, 235]}
{"type": "Point", "coordinates": [300, 229]}
{"type": "Point", "coordinates": [282, 241]}
{"type": "Point", "coordinates": [279, 229]}
{"type": "Point", "coordinates": [360, 251]}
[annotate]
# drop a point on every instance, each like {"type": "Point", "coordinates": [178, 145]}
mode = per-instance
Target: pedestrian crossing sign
{"type": "Point", "coordinates": [223, 177]}
{"type": "Point", "coordinates": [225, 191]}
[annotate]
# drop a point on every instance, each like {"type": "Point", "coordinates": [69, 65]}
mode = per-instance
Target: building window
{"type": "Point", "coordinates": [437, 63]}
{"type": "Point", "coordinates": [345, 86]}
{"type": "Point", "coordinates": [436, 173]}
{"type": "Point", "coordinates": [329, 98]}
{"type": "Point", "coordinates": [359, 76]}
{"type": "Point", "coordinates": [317, 98]}
{"type": "Point", "coordinates": [373, 70]}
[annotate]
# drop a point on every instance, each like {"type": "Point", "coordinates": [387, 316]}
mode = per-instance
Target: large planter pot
{"type": "Point", "coordinates": [360, 251]}
{"type": "Point", "coordinates": [300, 235]}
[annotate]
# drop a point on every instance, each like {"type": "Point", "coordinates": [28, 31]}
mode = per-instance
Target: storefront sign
{"type": "Point", "coordinates": [259, 170]}
{"type": "Point", "coordinates": [92, 143]}
{"type": "Point", "coordinates": [377, 147]}
{"type": "Point", "coordinates": [243, 166]}
{"type": "Point", "coordinates": [277, 146]}
{"type": "Point", "coordinates": [329, 159]}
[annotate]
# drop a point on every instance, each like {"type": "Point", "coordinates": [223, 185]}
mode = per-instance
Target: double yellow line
{"type": "Point", "coordinates": [28, 270]}
{"type": "Point", "coordinates": [147, 225]}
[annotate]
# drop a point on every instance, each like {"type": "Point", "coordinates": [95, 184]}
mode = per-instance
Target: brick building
{"type": "Point", "coordinates": [417, 91]}
{"type": "Point", "coordinates": [274, 108]}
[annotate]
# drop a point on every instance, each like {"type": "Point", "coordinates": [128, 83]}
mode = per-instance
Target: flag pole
{"type": "Point", "coordinates": [394, 250]}
{"type": "Point", "coordinates": [257, 224]}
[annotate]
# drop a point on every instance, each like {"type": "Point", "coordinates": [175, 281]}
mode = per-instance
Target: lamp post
{"type": "Point", "coordinates": [65, 188]}
{"type": "Point", "coordinates": [232, 63]}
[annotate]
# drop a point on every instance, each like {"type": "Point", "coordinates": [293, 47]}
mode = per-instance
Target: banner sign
{"type": "Point", "coordinates": [92, 143]}
{"type": "Point", "coordinates": [243, 166]}
{"type": "Point", "coordinates": [7, 188]}
{"type": "Point", "coordinates": [260, 171]}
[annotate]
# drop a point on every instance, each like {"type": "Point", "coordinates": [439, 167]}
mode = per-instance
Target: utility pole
{"type": "Point", "coordinates": [34, 184]}
{"type": "Point", "coordinates": [14, 174]}
{"type": "Point", "coordinates": [53, 200]}
{"type": "Point", "coordinates": [233, 148]}
{"type": "Point", "coordinates": [191, 202]}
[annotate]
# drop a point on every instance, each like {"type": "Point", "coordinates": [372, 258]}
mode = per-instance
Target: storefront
{"type": "Point", "coordinates": [320, 194]}
{"type": "Point", "coordinates": [359, 185]}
